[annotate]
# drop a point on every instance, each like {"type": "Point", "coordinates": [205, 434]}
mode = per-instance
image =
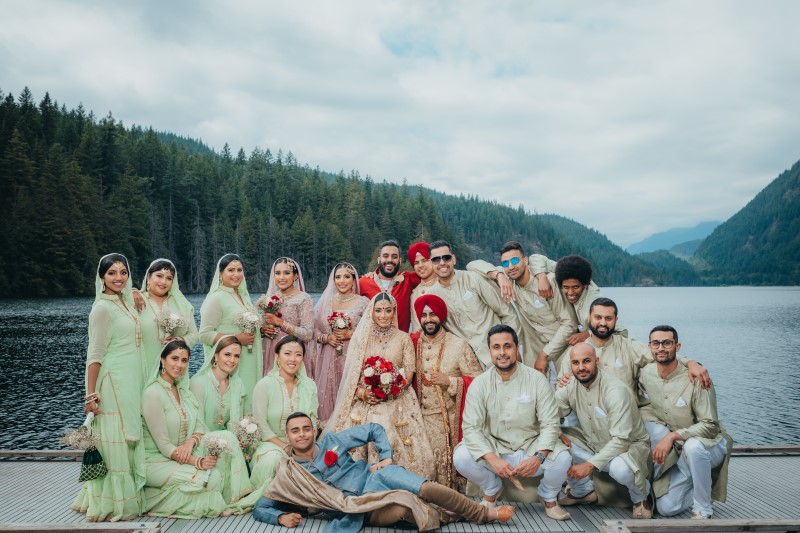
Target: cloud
{"type": "Point", "coordinates": [631, 118]}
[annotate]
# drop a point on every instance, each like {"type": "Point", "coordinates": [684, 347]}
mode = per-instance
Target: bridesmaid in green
{"type": "Point", "coordinates": [163, 297]}
{"type": "Point", "coordinates": [227, 299]}
{"type": "Point", "coordinates": [217, 386]}
{"type": "Point", "coordinates": [183, 479]}
{"type": "Point", "coordinates": [283, 391]}
{"type": "Point", "coordinates": [114, 379]}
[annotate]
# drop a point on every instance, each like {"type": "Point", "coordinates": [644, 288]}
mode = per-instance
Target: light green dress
{"type": "Point", "coordinates": [152, 335]}
{"type": "Point", "coordinates": [115, 343]}
{"type": "Point", "coordinates": [217, 315]}
{"type": "Point", "coordinates": [272, 405]}
{"type": "Point", "coordinates": [216, 409]}
{"type": "Point", "coordinates": [180, 490]}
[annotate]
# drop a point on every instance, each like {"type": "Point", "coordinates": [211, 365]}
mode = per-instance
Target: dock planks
{"type": "Point", "coordinates": [761, 488]}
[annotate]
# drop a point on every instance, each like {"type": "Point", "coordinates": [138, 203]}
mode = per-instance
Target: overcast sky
{"type": "Point", "coordinates": [629, 117]}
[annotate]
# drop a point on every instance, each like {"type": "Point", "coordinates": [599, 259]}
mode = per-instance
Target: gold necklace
{"type": "Point", "coordinates": [183, 431]}
{"type": "Point", "coordinates": [221, 408]}
{"type": "Point", "coordinates": [136, 325]}
{"type": "Point", "coordinates": [349, 297]}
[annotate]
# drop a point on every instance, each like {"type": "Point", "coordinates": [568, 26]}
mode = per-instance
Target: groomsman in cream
{"type": "Point", "coordinates": [546, 323]}
{"type": "Point", "coordinates": [618, 355]}
{"type": "Point", "coordinates": [473, 303]}
{"type": "Point", "coordinates": [690, 447]}
{"type": "Point", "coordinates": [510, 427]}
{"type": "Point", "coordinates": [616, 443]}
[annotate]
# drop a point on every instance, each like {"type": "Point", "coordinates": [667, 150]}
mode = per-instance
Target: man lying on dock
{"type": "Point", "coordinates": [323, 476]}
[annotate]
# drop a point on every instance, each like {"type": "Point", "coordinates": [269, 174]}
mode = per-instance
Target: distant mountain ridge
{"type": "Point", "coordinates": [667, 239]}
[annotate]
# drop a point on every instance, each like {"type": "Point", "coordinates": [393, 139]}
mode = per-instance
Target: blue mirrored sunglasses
{"type": "Point", "coordinates": [513, 261]}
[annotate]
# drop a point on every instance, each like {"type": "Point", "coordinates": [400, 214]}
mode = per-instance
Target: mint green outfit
{"type": "Point", "coordinates": [271, 406]}
{"type": "Point", "coordinates": [217, 410]}
{"type": "Point", "coordinates": [152, 335]}
{"type": "Point", "coordinates": [180, 490]}
{"type": "Point", "coordinates": [115, 343]}
{"type": "Point", "coordinates": [217, 315]}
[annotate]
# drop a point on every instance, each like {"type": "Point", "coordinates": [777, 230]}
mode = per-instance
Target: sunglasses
{"type": "Point", "coordinates": [513, 261]}
{"type": "Point", "coordinates": [439, 258]}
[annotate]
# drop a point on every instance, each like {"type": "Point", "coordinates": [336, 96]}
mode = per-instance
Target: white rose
{"type": "Point", "coordinates": [369, 372]}
{"type": "Point", "coordinates": [174, 317]}
{"type": "Point", "coordinates": [251, 428]}
{"type": "Point", "coordinates": [402, 372]}
{"type": "Point", "coordinates": [245, 422]}
{"type": "Point", "coordinates": [386, 378]}
{"type": "Point", "coordinates": [340, 323]}
{"type": "Point", "coordinates": [251, 316]}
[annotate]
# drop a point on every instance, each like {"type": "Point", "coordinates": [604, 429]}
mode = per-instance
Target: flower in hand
{"type": "Point", "coordinates": [331, 456]}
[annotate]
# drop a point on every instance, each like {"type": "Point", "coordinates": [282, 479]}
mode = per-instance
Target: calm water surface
{"type": "Point", "coordinates": [745, 336]}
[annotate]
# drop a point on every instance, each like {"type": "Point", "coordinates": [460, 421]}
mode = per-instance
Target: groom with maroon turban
{"type": "Point", "coordinates": [445, 365]}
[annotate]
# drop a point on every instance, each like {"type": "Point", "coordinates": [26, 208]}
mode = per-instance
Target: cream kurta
{"type": "Point", "coordinates": [580, 309]}
{"type": "Point", "coordinates": [474, 305]}
{"type": "Point", "coordinates": [506, 416]}
{"type": "Point", "coordinates": [691, 411]}
{"type": "Point", "coordinates": [610, 423]}
{"type": "Point", "coordinates": [453, 356]}
{"type": "Point", "coordinates": [546, 323]}
{"type": "Point", "coordinates": [621, 356]}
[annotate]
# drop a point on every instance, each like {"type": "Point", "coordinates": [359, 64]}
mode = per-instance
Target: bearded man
{"type": "Point", "coordinates": [388, 278]}
{"type": "Point", "coordinates": [445, 367]}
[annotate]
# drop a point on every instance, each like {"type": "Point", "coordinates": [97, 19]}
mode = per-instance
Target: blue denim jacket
{"type": "Point", "coordinates": [351, 477]}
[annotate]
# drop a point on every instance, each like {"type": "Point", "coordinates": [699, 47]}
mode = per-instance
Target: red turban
{"type": "Point", "coordinates": [436, 304]}
{"type": "Point", "coordinates": [418, 248]}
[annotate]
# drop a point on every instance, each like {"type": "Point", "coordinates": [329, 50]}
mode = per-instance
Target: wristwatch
{"type": "Point", "coordinates": [540, 456]}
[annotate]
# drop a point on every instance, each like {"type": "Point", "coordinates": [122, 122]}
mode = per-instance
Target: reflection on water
{"type": "Point", "coordinates": [745, 336]}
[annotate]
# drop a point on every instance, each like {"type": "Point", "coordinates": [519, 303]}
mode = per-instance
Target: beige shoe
{"type": "Point", "coordinates": [642, 511]}
{"type": "Point", "coordinates": [698, 516]}
{"type": "Point", "coordinates": [557, 512]}
{"type": "Point", "coordinates": [569, 499]}
{"type": "Point", "coordinates": [488, 504]}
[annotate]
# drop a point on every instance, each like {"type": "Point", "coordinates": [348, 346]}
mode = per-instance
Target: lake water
{"type": "Point", "coordinates": [745, 336]}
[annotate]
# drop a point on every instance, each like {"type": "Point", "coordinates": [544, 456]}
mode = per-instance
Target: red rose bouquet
{"type": "Point", "coordinates": [271, 305]}
{"type": "Point", "coordinates": [339, 320]}
{"type": "Point", "coordinates": [382, 379]}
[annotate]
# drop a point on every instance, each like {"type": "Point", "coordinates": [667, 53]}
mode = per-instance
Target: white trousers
{"type": "Point", "coordinates": [617, 468]}
{"type": "Point", "coordinates": [553, 471]}
{"type": "Point", "coordinates": [690, 478]}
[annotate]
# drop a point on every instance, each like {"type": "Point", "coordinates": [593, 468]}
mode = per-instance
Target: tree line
{"type": "Point", "coordinates": [76, 187]}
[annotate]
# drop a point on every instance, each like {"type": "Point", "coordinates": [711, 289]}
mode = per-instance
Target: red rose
{"type": "Point", "coordinates": [399, 380]}
{"type": "Point", "coordinates": [331, 457]}
{"type": "Point", "coordinates": [386, 366]}
{"type": "Point", "coordinates": [394, 390]}
{"type": "Point", "coordinates": [378, 392]}
{"type": "Point", "coordinates": [279, 315]}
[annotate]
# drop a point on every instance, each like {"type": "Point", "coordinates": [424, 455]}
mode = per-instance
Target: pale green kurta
{"type": "Point", "coordinates": [506, 416]}
{"type": "Point", "coordinates": [272, 405]}
{"type": "Point", "coordinates": [691, 411]}
{"type": "Point", "coordinates": [218, 313]}
{"type": "Point", "coordinates": [610, 423]}
{"type": "Point", "coordinates": [217, 410]}
{"type": "Point", "coordinates": [175, 489]}
{"type": "Point", "coordinates": [580, 310]}
{"type": "Point", "coordinates": [546, 323]}
{"type": "Point", "coordinates": [112, 342]}
{"type": "Point", "coordinates": [153, 336]}
{"type": "Point", "coordinates": [474, 305]}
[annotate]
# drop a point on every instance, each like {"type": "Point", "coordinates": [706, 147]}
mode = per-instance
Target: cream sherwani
{"type": "Point", "coordinates": [546, 323]}
{"type": "Point", "coordinates": [514, 419]}
{"type": "Point", "coordinates": [611, 430]}
{"type": "Point", "coordinates": [580, 309]}
{"type": "Point", "coordinates": [474, 305]}
{"type": "Point", "coordinates": [441, 406]}
{"type": "Point", "coordinates": [691, 411]}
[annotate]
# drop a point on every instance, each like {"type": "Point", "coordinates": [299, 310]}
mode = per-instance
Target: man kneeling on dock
{"type": "Point", "coordinates": [690, 447]}
{"type": "Point", "coordinates": [323, 476]}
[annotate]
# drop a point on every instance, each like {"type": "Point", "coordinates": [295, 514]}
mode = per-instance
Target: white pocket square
{"type": "Point", "coordinates": [681, 402]}
{"type": "Point", "coordinates": [599, 413]}
{"type": "Point", "coordinates": [525, 398]}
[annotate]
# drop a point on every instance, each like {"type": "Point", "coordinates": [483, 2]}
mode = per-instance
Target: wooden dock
{"type": "Point", "coordinates": [763, 495]}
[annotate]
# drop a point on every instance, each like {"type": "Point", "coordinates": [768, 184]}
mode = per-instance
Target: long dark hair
{"type": "Point", "coordinates": [110, 259]}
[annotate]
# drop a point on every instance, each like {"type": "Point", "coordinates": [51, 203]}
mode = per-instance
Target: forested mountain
{"type": "Point", "coordinates": [75, 187]}
{"type": "Point", "coordinates": [761, 243]}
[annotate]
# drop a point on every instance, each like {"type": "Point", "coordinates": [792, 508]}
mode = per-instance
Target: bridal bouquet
{"type": "Point", "coordinates": [249, 322]}
{"type": "Point", "coordinates": [172, 324]}
{"type": "Point", "coordinates": [246, 430]}
{"type": "Point", "coordinates": [215, 446]}
{"type": "Point", "coordinates": [339, 320]}
{"type": "Point", "coordinates": [382, 379]}
{"type": "Point", "coordinates": [270, 304]}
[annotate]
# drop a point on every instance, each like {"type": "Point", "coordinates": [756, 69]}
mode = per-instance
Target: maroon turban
{"type": "Point", "coordinates": [436, 304]}
{"type": "Point", "coordinates": [418, 248]}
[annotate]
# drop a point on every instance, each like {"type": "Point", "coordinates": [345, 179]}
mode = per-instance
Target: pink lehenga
{"type": "Point", "coordinates": [400, 417]}
{"type": "Point", "coordinates": [329, 365]}
{"type": "Point", "coordinates": [298, 312]}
